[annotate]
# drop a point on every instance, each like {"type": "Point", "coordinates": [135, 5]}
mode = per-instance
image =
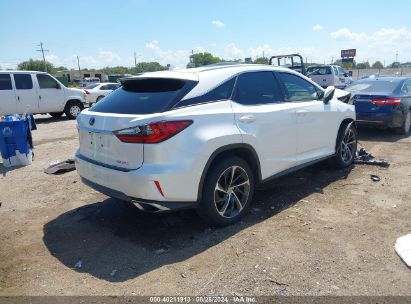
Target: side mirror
{"type": "Point", "coordinates": [345, 74]}
{"type": "Point", "coordinates": [328, 94]}
{"type": "Point", "coordinates": [350, 73]}
{"type": "Point", "coordinates": [58, 87]}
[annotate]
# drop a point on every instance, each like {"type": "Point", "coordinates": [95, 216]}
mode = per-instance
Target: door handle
{"type": "Point", "coordinates": [18, 97]}
{"type": "Point", "coordinates": [40, 97]}
{"type": "Point", "coordinates": [247, 118]}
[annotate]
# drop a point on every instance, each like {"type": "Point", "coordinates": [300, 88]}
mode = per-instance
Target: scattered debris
{"type": "Point", "coordinates": [394, 206]}
{"type": "Point", "coordinates": [375, 178]}
{"type": "Point", "coordinates": [282, 289]}
{"type": "Point", "coordinates": [403, 248]}
{"type": "Point", "coordinates": [61, 167]}
{"type": "Point", "coordinates": [277, 282]}
{"type": "Point", "coordinates": [78, 265]}
{"type": "Point", "coordinates": [183, 275]}
{"type": "Point", "coordinates": [362, 157]}
{"type": "Point", "coordinates": [113, 273]}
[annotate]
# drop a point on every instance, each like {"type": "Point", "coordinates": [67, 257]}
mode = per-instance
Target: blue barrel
{"type": "Point", "coordinates": [13, 138]}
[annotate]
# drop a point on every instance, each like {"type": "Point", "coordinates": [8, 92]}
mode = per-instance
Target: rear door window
{"type": "Point", "coordinates": [144, 96]}
{"type": "Point", "coordinates": [23, 81]}
{"type": "Point", "coordinates": [5, 82]}
{"type": "Point", "coordinates": [254, 88]}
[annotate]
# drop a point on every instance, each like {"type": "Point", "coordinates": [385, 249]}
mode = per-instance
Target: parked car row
{"type": "Point", "coordinates": [97, 91]}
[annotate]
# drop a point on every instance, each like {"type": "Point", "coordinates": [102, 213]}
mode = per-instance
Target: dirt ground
{"type": "Point", "coordinates": [315, 232]}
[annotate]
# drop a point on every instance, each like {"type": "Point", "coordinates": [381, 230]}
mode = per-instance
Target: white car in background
{"type": "Point", "coordinates": [205, 137]}
{"type": "Point", "coordinates": [97, 91]}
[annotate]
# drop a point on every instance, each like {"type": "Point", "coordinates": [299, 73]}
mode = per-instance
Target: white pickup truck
{"type": "Point", "coordinates": [329, 75]}
{"type": "Point", "coordinates": [38, 93]}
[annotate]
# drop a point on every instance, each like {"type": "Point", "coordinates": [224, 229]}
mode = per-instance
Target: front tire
{"type": "Point", "coordinates": [346, 146]}
{"type": "Point", "coordinates": [227, 192]}
{"type": "Point", "coordinates": [99, 98]}
{"type": "Point", "coordinates": [73, 109]}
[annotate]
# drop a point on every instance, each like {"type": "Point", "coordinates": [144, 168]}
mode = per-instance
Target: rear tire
{"type": "Point", "coordinates": [56, 114]}
{"type": "Point", "coordinates": [227, 192]}
{"type": "Point", "coordinates": [346, 146]}
{"type": "Point", "coordinates": [99, 98]}
{"type": "Point", "coordinates": [73, 109]}
{"type": "Point", "coordinates": [405, 129]}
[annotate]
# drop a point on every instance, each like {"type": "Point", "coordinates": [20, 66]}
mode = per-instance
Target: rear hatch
{"type": "Point", "coordinates": [134, 105]}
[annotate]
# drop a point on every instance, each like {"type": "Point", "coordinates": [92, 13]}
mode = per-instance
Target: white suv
{"type": "Point", "coordinates": [203, 138]}
{"type": "Point", "coordinates": [38, 93]}
{"type": "Point", "coordinates": [329, 75]}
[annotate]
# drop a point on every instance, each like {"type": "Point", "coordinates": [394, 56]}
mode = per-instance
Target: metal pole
{"type": "Point", "coordinates": [78, 64]}
{"type": "Point", "coordinates": [135, 59]}
{"type": "Point", "coordinates": [42, 52]}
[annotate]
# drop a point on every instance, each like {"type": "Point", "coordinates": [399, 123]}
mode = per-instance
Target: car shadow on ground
{"type": "Point", "coordinates": [46, 119]}
{"type": "Point", "coordinates": [4, 170]}
{"type": "Point", "coordinates": [116, 242]}
{"type": "Point", "coordinates": [379, 135]}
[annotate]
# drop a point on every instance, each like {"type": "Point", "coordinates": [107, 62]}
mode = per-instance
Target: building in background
{"type": "Point", "coordinates": [74, 75]}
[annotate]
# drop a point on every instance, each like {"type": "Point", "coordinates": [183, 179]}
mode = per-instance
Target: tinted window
{"type": "Point", "coordinates": [221, 92]}
{"type": "Point", "coordinates": [340, 71]}
{"type": "Point", "coordinates": [320, 70]}
{"type": "Point", "coordinates": [144, 96]}
{"type": "Point", "coordinates": [104, 87]}
{"type": "Point", "coordinates": [257, 88]}
{"type": "Point", "coordinates": [5, 82]}
{"type": "Point", "coordinates": [408, 86]}
{"type": "Point", "coordinates": [370, 86]}
{"type": "Point", "coordinates": [23, 81]}
{"type": "Point", "coordinates": [297, 88]}
{"type": "Point", "coordinates": [46, 82]}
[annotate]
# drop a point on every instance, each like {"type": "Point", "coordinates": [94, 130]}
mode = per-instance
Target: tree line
{"type": "Point", "coordinates": [196, 60]}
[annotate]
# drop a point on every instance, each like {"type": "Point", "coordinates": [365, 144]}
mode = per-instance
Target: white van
{"type": "Point", "coordinates": [38, 93]}
{"type": "Point", "coordinates": [329, 75]}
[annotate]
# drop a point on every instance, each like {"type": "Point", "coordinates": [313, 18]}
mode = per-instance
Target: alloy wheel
{"type": "Point", "coordinates": [348, 146]}
{"type": "Point", "coordinates": [232, 191]}
{"type": "Point", "coordinates": [75, 110]}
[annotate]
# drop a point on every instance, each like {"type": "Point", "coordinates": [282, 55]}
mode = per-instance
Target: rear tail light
{"type": "Point", "coordinates": [87, 92]}
{"type": "Point", "coordinates": [153, 132]}
{"type": "Point", "coordinates": [387, 101]}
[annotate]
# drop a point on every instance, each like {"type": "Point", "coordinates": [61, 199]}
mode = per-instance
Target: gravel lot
{"type": "Point", "coordinates": [315, 232]}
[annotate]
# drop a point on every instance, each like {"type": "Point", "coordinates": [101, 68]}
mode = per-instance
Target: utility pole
{"type": "Point", "coordinates": [135, 59]}
{"type": "Point", "coordinates": [332, 60]}
{"type": "Point", "coordinates": [78, 64]}
{"type": "Point", "coordinates": [44, 58]}
{"type": "Point", "coordinates": [396, 57]}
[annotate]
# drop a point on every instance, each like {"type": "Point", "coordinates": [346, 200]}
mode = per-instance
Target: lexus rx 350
{"type": "Point", "coordinates": [204, 137]}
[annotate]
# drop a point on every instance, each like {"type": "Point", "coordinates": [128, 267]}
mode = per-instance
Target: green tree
{"type": "Point", "coordinates": [200, 59]}
{"type": "Point", "coordinates": [395, 65]}
{"type": "Point", "coordinates": [377, 65]}
{"type": "Point", "coordinates": [261, 60]}
{"type": "Point", "coordinates": [363, 65]}
{"type": "Point", "coordinates": [147, 67]}
{"type": "Point", "coordinates": [36, 65]}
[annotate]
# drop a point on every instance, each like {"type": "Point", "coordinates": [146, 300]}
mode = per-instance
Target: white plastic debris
{"type": "Point", "coordinates": [403, 248]}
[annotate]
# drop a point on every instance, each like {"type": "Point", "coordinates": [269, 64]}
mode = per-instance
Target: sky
{"type": "Point", "coordinates": [108, 33]}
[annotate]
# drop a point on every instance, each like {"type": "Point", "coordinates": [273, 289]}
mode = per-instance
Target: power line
{"type": "Point", "coordinates": [42, 51]}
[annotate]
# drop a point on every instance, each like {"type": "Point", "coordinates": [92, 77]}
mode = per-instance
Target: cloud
{"type": "Point", "coordinates": [317, 28]}
{"type": "Point", "coordinates": [108, 56]}
{"type": "Point", "coordinates": [345, 34]}
{"type": "Point", "coordinates": [218, 24]}
{"type": "Point", "coordinates": [176, 58]}
{"type": "Point", "coordinates": [233, 52]}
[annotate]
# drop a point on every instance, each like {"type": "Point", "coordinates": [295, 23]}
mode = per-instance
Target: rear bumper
{"type": "Point", "coordinates": [142, 204]}
{"type": "Point", "coordinates": [178, 185]}
{"type": "Point", "coordinates": [390, 120]}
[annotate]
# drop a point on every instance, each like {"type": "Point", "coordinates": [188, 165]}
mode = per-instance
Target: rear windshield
{"type": "Point", "coordinates": [373, 86]}
{"type": "Point", "coordinates": [319, 70]}
{"type": "Point", "coordinates": [144, 96]}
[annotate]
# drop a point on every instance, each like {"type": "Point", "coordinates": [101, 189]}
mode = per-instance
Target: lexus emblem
{"type": "Point", "coordinates": [92, 121]}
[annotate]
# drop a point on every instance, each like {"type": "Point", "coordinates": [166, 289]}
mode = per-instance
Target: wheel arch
{"type": "Point", "coordinates": [344, 122]}
{"type": "Point", "coordinates": [245, 151]}
{"type": "Point", "coordinates": [75, 100]}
